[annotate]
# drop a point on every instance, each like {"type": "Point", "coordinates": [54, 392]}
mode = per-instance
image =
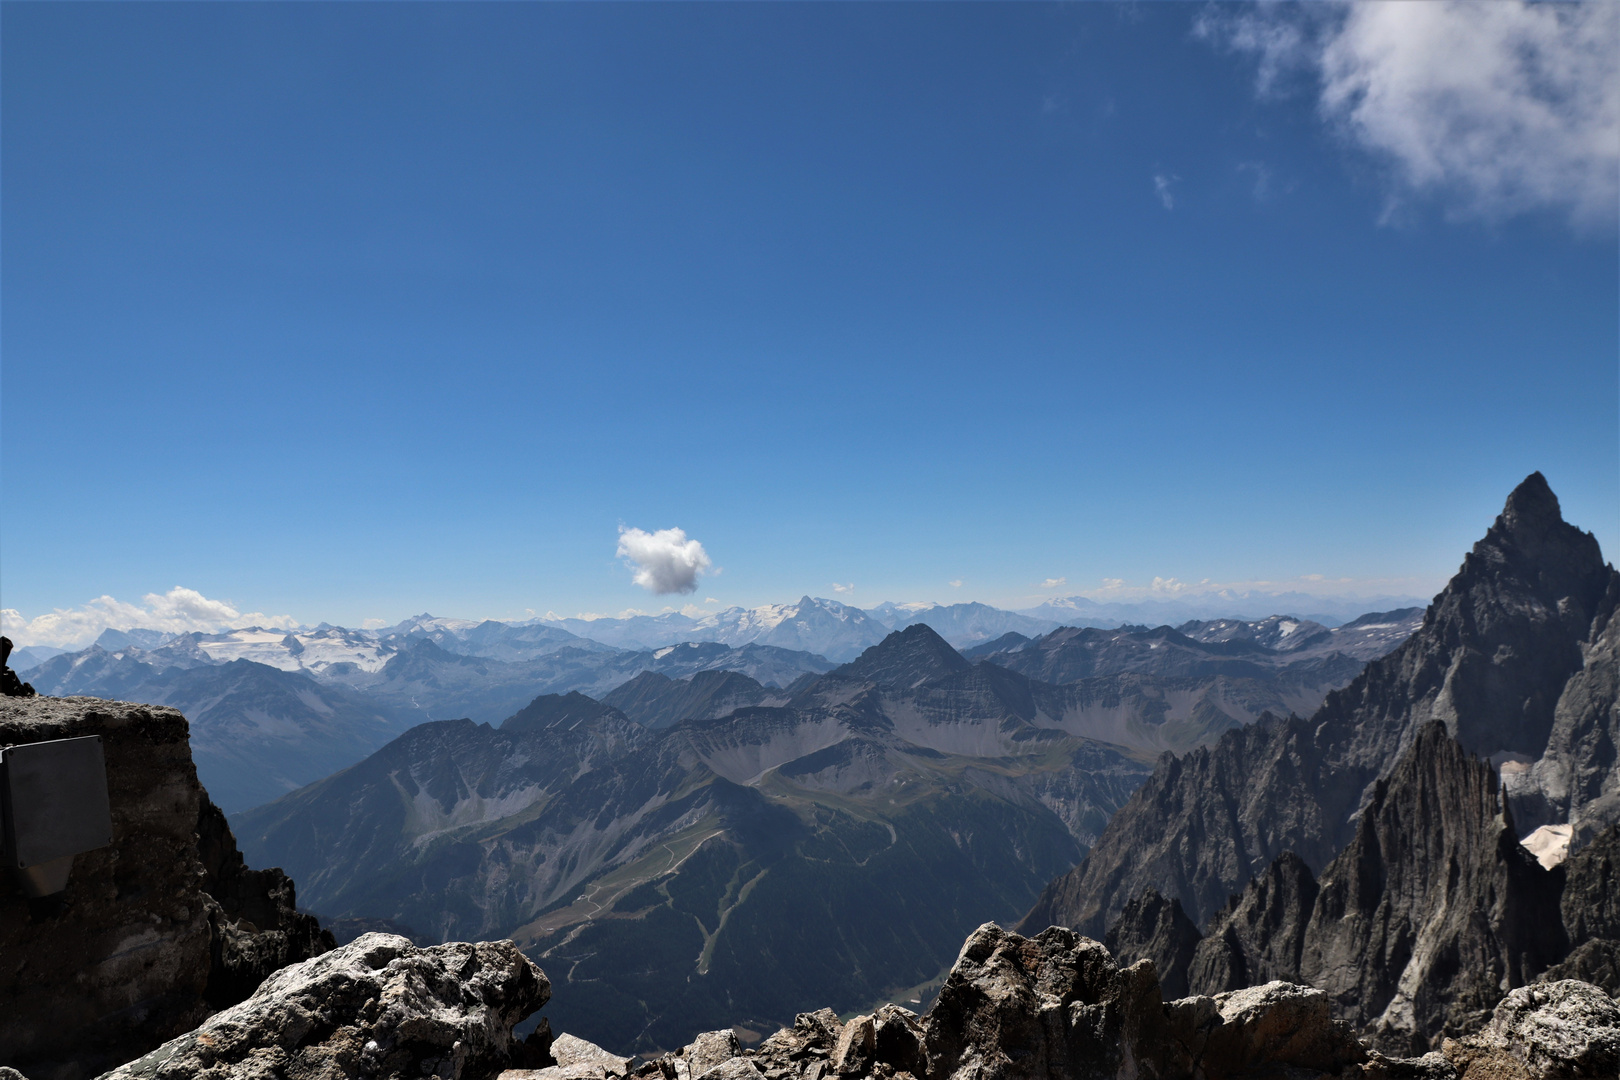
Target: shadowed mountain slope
{"type": "Point", "coordinates": [659, 701]}
{"type": "Point", "coordinates": [1492, 660]}
{"type": "Point", "coordinates": [723, 870]}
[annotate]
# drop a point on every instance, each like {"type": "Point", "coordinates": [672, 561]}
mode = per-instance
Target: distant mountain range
{"type": "Point", "coordinates": [686, 820]}
{"type": "Point", "coordinates": [325, 679]}
{"type": "Point", "coordinates": [823, 627]}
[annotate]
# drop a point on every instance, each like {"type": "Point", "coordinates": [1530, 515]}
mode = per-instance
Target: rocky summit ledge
{"type": "Point", "coordinates": [377, 1007]}
{"type": "Point", "coordinates": [154, 931]}
{"type": "Point", "coordinates": [1057, 1007]}
{"type": "Point", "coordinates": [1052, 1007]}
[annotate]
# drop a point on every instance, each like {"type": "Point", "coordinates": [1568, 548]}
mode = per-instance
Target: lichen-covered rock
{"type": "Point", "coordinates": [1596, 962]}
{"type": "Point", "coordinates": [379, 1007]}
{"type": "Point", "coordinates": [1550, 1031]}
{"type": "Point", "coordinates": [803, 1050]}
{"type": "Point", "coordinates": [711, 1048]}
{"type": "Point", "coordinates": [1275, 1024]}
{"type": "Point", "coordinates": [154, 931]}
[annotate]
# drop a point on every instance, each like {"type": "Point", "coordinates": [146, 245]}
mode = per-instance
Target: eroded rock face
{"type": "Point", "coordinates": [379, 1006]}
{"type": "Point", "coordinates": [137, 949]}
{"type": "Point", "coordinates": [1058, 1007]}
{"type": "Point", "coordinates": [1259, 935]}
{"type": "Point", "coordinates": [1154, 928]}
{"type": "Point", "coordinates": [1434, 909]}
{"type": "Point", "coordinates": [1561, 1029]}
{"type": "Point", "coordinates": [1591, 910]}
{"type": "Point", "coordinates": [1591, 901]}
{"type": "Point", "coordinates": [1509, 654]}
{"type": "Point", "coordinates": [1577, 778]}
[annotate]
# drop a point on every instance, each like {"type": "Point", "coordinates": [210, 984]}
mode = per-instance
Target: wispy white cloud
{"type": "Point", "coordinates": [1054, 583]}
{"type": "Point", "coordinates": [178, 611]}
{"type": "Point", "coordinates": [1258, 173]}
{"type": "Point", "coordinates": [957, 584]}
{"type": "Point", "coordinates": [378, 624]}
{"type": "Point", "coordinates": [1493, 109]}
{"type": "Point", "coordinates": [665, 561]}
{"type": "Point", "coordinates": [1162, 184]}
{"type": "Point", "coordinates": [843, 588]}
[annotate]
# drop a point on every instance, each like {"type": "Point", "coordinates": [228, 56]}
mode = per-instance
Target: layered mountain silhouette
{"type": "Point", "coordinates": [1372, 850]}
{"type": "Point", "coordinates": [728, 835]}
{"type": "Point", "coordinates": [336, 682]}
{"type": "Point", "coordinates": [261, 730]}
{"type": "Point", "coordinates": [729, 856]}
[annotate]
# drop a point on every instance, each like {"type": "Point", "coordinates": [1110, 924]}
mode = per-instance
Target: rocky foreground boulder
{"type": "Point", "coordinates": [1053, 1007]}
{"type": "Point", "coordinates": [1058, 1007]}
{"type": "Point", "coordinates": [377, 1007]}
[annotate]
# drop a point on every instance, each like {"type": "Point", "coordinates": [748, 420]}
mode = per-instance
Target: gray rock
{"type": "Point", "coordinates": [155, 931]}
{"type": "Point", "coordinates": [1154, 928]}
{"type": "Point", "coordinates": [1591, 902]}
{"type": "Point", "coordinates": [711, 1048]}
{"type": "Point", "coordinates": [1496, 651]}
{"type": "Point", "coordinates": [1058, 1005]}
{"type": "Point", "coordinates": [898, 1040]}
{"type": "Point", "coordinates": [1259, 935]}
{"type": "Point", "coordinates": [570, 1051]}
{"type": "Point", "coordinates": [737, 1068]}
{"type": "Point", "coordinates": [853, 1053]}
{"type": "Point", "coordinates": [1596, 962]}
{"type": "Point", "coordinates": [1278, 1024]}
{"type": "Point", "coordinates": [1577, 778]}
{"type": "Point", "coordinates": [11, 684]}
{"type": "Point", "coordinates": [377, 1007]}
{"type": "Point", "coordinates": [1435, 908]}
{"type": "Point", "coordinates": [1561, 1029]}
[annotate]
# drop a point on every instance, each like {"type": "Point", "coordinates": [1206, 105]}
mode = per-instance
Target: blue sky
{"type": "Point", "coordinates": [346, 312]}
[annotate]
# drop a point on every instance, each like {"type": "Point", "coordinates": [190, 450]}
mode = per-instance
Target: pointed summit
{"type": "Point", "coordinates": [906, 659]}
{"type": "Point", "coordinates": [1531, 530]}
{"type": "Point", "coordinates": [1532, 501]}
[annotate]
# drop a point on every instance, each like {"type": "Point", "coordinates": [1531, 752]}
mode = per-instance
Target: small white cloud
{"type": "Point", "coordinates": [178, 611]}
{"type": "Point", "coordinates": [710, 600]}
{"type": "Point", "coordinates": [957, 584]}
{"type": "Point", "coordinates": [1161, 187]}
{"type": "Point", "coordinates": [1054, 583]}
{"type": "Point", "coordinates": [843, 588]}
{"type": "Point", "coordinates": [664, 561]}
{"type": "Point", "coordinates": [378, 624]}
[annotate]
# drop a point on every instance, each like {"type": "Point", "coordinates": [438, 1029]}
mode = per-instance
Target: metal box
{"type": "Point", "coordinates": [54, 798]}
